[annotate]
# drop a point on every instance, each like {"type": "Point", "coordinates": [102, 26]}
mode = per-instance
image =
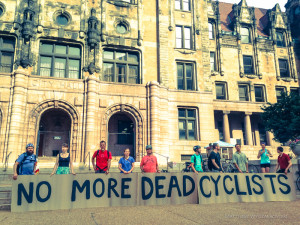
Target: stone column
{"type": "Point", "coordinates": [17, 117]}
{"type": "Point", "coordinates": [226, 130]}
{"type": "Point", "coordinates": [92, 106]}
{"type": "Point", "coordinates": [154, 115]}
{"type": "Point", "coordinates": [248, 129]}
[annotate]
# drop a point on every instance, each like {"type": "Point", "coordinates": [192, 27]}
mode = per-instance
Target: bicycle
{"type": "Point", "coordinates": [230, 168]}
{"type": "Point", "coordinates": [298, 181]}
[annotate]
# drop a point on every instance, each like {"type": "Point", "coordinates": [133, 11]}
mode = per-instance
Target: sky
{"type": "Point", "coordinates": [265, 4]}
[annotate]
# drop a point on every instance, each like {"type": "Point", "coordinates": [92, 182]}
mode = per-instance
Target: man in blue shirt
{"type": "Point", "coordinates": [27, 162]}
{"type": "Point", "coordinates": [196, 160]}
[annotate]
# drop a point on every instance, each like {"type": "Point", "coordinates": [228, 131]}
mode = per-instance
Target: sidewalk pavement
{"type": "Point", "coordinates": [228, 213]}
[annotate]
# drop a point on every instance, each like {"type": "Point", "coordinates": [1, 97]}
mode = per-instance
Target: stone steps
{"type": "Point", "coordinates": [5, 196]}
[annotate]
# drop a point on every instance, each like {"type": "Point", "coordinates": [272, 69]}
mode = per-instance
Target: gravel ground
{"type": "Point", "coordinates": [229, 213]}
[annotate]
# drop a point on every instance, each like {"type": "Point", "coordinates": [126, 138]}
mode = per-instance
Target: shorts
{"type": "Point", "coordinates": [282, 171]}
{"type": "Point", "coordinates": [265, 165]}
{"type": "Point", "coordinates": [99, 171]}
{"type": "Point", "coordinates": [215, 171]}
{"type": "Point", "coordinates": [63, 170]}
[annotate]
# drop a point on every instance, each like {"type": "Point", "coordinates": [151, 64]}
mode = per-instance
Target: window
{"type": "Point", "coordinates": [185, 76]}
{"type": "Point", "coordinates": [121, 66]}
{"type": "Point", "coordinates": [121, 28]}
{"type": "Point", "coordinates": [7, 49]}
{"type": "Point", "coordinates": [244, 92]}
{"type": "Point", "coordinates": [187, 124]}
{"type": "Point", "coordinates": [212, 61]}
{"type": "Point", "coordinates": [259, 93]}
{"type": "Point", "coordinates": [182, 5]}
{"type": "Point", "coordinates": [59, 60]}
{"type": "Point", "coordinates": [248, 64]}
{"type": "Point", "coordinates": [245, 35]}
{"type": "Point", "coordinates": [294, 91]}
{"type": "Point", "coordinates": [62, 19]}
{"type": "Point", "coordinates": [221, 91]}
{"type": "Point", "coordinates": [284, 68]}
{"type": "Point", "coordinates": [279, 91]}
{"type": "Point", "coordinates": [280, 40]}
{"type": "Point", "coordinates": [183, 37]}
{"type": "Point", "coordinates": [211, 32]}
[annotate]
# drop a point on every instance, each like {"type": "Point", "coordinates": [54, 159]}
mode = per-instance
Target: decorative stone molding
{"type": "Point", "coordinates": [35, 116]}
{"type": "Point", "coordinates": [138, 121]}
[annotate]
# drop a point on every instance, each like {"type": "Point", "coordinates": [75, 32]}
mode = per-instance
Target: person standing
{"type": "Point", "coordinates": [103, 159]}
{"type": "Point", "coordinates": [196, 160]}
{"type": "Point", "coordinates": [126, 163]}
{"type": "Point", "coordinates": [239, 160]}
{"type": "Point", "coordinates": [283, 162]}
{"type": "Point", "coordinates": [26, 161]}
{"type": "Point", "coordinates": [149, 162]}
{"type": "Point", "coordinates": [264, 156]}
{"type": "Point", "coordinates": [214, 159]}
{"type": "Point", "coordinates": [63, 162]}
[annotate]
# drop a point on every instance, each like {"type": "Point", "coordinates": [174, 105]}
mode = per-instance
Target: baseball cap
{"type": "Point", "coordinates": [29, 145]}
{"type": "Point", "coordinates": [196, 147]}
{"type": "Point", "coordinates": [148, 147]}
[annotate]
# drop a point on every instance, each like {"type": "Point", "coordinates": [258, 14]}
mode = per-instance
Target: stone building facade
{"type": "Point", "coordinates": [172, 74]}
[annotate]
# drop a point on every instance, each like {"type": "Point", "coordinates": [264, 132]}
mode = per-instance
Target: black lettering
{"type": "Point", "coordinates": [258, 184]}
{"type": "Point", "coordinates": [158, 187]}
{"type": "Point", "coordinates": [149, 181]}
{"type": "Point", "coordinates": [95, 188]}
{"type": "Point", "coordinates": [173, 184]}
{"type": "Point", "coordinates": [38, 196]}
{"type": "Point", "coordinates": [28, 196]}
{"type": "Point", "coordinates": [248, 185]}
{"type": "Point", "coordinates": [237, 187]}
{"type": "Point", "coordinates": [224, 184]}
{"type": "Point", "coordinates": [124, 186]}
{"type": "Point", "coordinates": [288, 188]}
{"type": "Point", "coordinates": [185, 178]}
{"type": "Point", "coordinates": [201, 186]}
{"type": "Point", "coordinates": [75, 185]}
{"type": "Point", "coordinates": [271, 181]}
{"type": "Point", "coordinates": [112, 183]}
{"type": "Point", "coordinates": [216, 184]}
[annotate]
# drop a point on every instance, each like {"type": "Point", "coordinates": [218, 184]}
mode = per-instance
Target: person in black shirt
{"type": "Point", "coordinates": [214, 158]}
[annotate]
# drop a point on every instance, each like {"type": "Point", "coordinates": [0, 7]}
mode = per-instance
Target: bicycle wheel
{"type": "Point", "coordinates": [253, 169]}
{"type": "Point", "coordinates": [298, 183]}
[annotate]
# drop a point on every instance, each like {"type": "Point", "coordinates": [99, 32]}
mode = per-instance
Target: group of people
{"type": "Point", "coordinates": [101, 161]}
{"type": "Point", "coordinates": [240, 160]}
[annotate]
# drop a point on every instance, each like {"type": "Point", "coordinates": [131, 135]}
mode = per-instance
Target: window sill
{"type": "Point", "coordinates": [286, 79]}
{"type": "Point", "coordinates": [185, 51]}
{"type": "Point", "coordinates": [181, 10]}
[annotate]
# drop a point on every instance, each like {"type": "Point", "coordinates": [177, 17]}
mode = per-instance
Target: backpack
{"type": "Point", "coordinates": [195, 161]}
{"type": "Point", "coordinates": [96, 162]}
{"type": "Point", "coordinates": [21, 163]}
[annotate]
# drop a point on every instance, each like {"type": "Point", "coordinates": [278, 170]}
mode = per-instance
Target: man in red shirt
{"type": "Point", "coordinates": [103, 159]}
{"type": "Point", "coordinates": [284, 162]}
{"type": "Point", "coordinates": [149, 162]}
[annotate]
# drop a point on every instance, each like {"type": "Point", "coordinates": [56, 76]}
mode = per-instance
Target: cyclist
{"type": "Point", "coordinates": [196, 160]}
{"type": "Point", "coordinates": [239, 160]}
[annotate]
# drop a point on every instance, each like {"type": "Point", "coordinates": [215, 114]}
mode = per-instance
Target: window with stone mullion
{"type": "Point", "coordinates": [121, 67]}
{"type": "Point", "coordinates": [183, 5]}
{"type": "Point", "coordinates": [184, 37]}
{"type": "Point", "coordinates": [59, 60]}
{"type": "Point", "coordinates": [7, 49]}
{"type": "Point", "coordinates": [185, 76]}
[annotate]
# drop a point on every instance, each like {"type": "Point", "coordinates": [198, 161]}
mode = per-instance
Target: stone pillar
{"type": "Point", "coordinates": [248, 129]}
{"type": "Point", "coordinates": [154, 115]}
{"type": "Point", "coordinates": [92, 106]}
{"type": "Point", "coordinates": [226, 130]}
{"type": "Point", "coordinates": [17, 116]}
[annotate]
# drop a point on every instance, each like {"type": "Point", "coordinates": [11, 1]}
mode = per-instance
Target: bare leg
{"type": "Point", "coordinates": [267, 169]}
{"type": "Point", "coordinates": [263, 170]}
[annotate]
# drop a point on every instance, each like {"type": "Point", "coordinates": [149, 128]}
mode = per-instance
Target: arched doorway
{"type": "Point", "coordinates": [121, 134]}
{"type": "Point", "coordinates": [54, 130]}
